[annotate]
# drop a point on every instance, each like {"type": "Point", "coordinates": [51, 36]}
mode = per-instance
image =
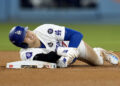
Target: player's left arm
{"type": "Point", "coordinates": [62, 33]}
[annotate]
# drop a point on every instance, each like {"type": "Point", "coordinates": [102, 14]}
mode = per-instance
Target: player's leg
{"type": "Point", "coordinates": [95, 56]}
{"type": "Point", "coordinates": [88, 55]}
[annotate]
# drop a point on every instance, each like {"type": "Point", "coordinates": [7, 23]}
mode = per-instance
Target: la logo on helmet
{"type": "Point", "coordinates": [18, 32]}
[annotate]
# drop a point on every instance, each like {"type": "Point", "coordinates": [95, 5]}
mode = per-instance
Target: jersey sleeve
{"type": "Point", "coordinates": [74, 37]}
{"type": "Point", "coordinates": [52, 31]}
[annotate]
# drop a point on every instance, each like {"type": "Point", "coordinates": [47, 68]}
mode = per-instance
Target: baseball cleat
{"type": "Point", "coordinates": [111, 57]}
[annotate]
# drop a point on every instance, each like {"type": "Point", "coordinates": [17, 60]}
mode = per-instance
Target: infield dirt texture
{"type": "Point", "coordinates": [79, 74]}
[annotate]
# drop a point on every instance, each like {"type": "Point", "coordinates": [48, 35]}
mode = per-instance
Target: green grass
{"type": "Point", "coordinates": [106, 36]}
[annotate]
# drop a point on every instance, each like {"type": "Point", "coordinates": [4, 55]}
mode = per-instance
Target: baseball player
{"type": "Point", "coordinates": [58, 44]}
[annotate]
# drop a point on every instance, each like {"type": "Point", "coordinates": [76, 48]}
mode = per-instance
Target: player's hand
{"type": "Point", "coordinates": [65, 61]}
{"type": "Point", "coordinates": [62, 62]}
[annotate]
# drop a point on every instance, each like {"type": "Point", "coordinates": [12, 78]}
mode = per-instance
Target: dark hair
{"type": "Point", "coordinates": [24, 45]}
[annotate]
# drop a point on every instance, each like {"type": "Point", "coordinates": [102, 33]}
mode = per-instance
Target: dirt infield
{"type": "Point", "coordinates": [79, 74]}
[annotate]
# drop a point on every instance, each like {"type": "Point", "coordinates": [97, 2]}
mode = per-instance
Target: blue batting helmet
{"type": "Point", "coordinates": [17, 35]}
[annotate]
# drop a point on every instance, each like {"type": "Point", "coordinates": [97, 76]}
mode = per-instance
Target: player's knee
{"type": "Point", "coordinates": [100, 60]}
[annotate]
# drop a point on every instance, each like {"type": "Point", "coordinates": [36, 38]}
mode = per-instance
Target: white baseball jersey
{"type": "Point", "coordinates": [52, 36]}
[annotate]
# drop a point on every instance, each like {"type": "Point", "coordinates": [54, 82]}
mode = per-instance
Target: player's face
{"type": "Point", "coordinates": [30, 38]}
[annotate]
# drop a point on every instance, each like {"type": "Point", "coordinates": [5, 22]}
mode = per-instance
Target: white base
{"type": "Point", "coordinates": [30, 64]}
